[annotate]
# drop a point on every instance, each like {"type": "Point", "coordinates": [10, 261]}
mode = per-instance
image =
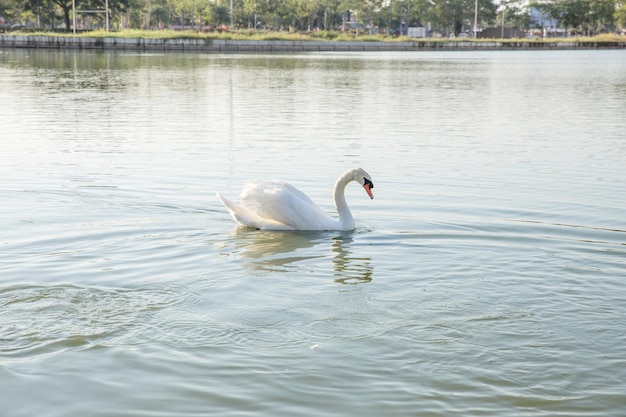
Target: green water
{"type": "Point", "coordinates": [485, 278]}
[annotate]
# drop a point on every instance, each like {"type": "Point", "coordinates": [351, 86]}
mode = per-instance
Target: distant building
{"type": "Point", "coordinates": [500, 33]}
{"type": "Point", "coordinates": [416, 32]}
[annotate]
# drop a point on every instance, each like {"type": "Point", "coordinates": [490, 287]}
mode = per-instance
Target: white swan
{"type": "Point", "coordinates": [276, 205]}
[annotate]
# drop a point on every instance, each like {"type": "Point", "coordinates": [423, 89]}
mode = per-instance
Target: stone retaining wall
{"type": "Point", "coordinates": [215, 45]}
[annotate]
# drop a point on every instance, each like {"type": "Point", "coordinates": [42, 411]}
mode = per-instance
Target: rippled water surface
{"type": "Point", "coordinates": [485, 278]}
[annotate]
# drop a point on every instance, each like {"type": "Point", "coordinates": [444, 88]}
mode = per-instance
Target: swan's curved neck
{"type": "Point", "coordinates": [345, 216]}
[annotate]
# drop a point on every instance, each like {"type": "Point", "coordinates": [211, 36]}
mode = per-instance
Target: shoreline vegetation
{"type": "Point", "coordinates": [263, 41]}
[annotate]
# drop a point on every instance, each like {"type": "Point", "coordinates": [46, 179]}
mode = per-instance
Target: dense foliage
{"type": "Point", "coordinates": [366, 16]}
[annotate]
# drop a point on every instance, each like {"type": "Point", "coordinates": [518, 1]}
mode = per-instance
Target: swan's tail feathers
{"type": "Point", "coordinates": [241, 215]}
{"type": "Point", "coordinates": [234, 210]}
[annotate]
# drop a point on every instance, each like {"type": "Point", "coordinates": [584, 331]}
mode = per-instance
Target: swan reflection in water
{"type": "Point", "coordinates": [349, 269]}
{"type": "Point", "coordinates": [280, 251]}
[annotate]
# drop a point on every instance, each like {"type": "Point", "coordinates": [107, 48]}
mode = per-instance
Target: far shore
{"type": "Point", "coordinates": [191, 42]}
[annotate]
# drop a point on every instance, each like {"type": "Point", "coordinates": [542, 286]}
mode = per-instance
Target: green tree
{"type": "Point", "coordinates": [451, 15]}
{"type": "Point", "coordinates": [407, 13]}
{"type": "Point", "coordinates": [576, 13]}
{"type": "Point", "coordinates": [64, 5]}
{"type": "Point", "coordinates": [219, 14]}
{"type": "Point", "coordinates": [11, 10]}
{"type": "Point", "coordinates": [586, 15]}
{"type": "Point", "coordinates": [48, 7]}
{"type": "Point", "coordinates": [185, 10]}
{"type": "Point", "coordinates": [603, 13]}
{"type": "Point", "coordinates": [620, 16]}
{"type": "Point", "coordinates": [515, 14]}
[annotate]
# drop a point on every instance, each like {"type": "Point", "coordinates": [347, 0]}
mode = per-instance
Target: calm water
{"type": "Point", "coordinates": [486, 278]}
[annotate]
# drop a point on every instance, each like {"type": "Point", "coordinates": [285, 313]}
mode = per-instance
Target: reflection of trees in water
{"type": "Point", "coordinates": [277, 251]}
{"type": "Point", "coordinates": [350, 269]}
{"type": "Point", "coordinates": [62, 71]}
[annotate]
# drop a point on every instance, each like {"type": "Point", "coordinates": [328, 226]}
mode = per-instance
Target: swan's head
{"type": "Point", "coordinates": [363, 178]}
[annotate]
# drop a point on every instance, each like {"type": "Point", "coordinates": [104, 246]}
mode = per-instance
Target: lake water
{"type": "Point", "coordinates": [486, 278]}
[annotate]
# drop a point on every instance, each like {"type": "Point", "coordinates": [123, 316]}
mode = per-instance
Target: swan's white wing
{"type": "Point", "coordinates": [282, 203]}
{"type": "Point", "coordinates": [248, 218]}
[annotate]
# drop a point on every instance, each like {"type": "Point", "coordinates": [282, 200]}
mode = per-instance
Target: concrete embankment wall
{"type": "Point", "coordinates": [217, 45]}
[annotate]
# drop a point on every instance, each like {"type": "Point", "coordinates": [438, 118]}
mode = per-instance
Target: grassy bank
{"type": "Point", "coordinates": [310, 36]}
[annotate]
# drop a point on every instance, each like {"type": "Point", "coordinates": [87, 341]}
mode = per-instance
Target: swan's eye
{"type": "Point", "coordinates": [366, 181]}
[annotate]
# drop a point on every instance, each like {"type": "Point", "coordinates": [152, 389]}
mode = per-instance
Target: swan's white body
{"type": "Point", "coordinates": [276, 205]}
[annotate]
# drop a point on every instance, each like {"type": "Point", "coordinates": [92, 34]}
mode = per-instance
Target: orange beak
{"type": "Point", "coordinates": [368, 190]}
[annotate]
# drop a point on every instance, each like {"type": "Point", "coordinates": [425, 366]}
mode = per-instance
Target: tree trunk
{"type": "Point", "coordinates": [66, 17]}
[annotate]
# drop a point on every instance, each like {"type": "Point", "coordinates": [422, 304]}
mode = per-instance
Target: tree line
{"type": "Point", "coordinates": [441, 16]}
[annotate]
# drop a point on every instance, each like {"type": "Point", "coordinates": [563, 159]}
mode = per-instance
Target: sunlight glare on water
{"type": "Point", "coordinates": [485, 278]}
